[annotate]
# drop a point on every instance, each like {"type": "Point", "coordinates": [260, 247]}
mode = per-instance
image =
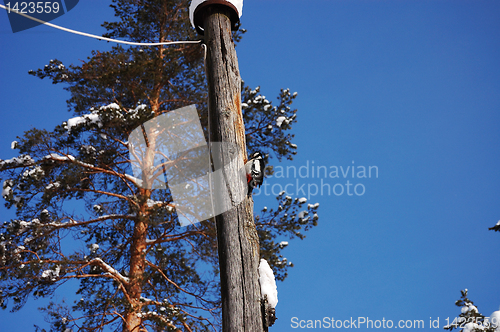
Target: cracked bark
{"type": "Point", "coordinates": [238, 243]}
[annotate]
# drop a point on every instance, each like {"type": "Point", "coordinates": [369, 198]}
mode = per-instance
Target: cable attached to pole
{"type": "Point", "coordinates": [98, 37]}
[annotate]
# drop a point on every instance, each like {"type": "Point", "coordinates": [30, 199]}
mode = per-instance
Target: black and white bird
{"type": "Point", "coordinates": [254, 168]}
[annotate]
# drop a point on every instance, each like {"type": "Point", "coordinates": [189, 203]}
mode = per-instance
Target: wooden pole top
{"type": "Point", "coordinates": [198, 17]}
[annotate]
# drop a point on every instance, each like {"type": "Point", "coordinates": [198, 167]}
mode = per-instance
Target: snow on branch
{"type": "Point", "coordinates": [22, 160]}
{"type": "Point", "coordinates": [99, 117]}
{"type": "Point", "coordinates": [136, 181]}
{"type": "Point", "coordinates": [108, 269]}
{"type": "Point", "coordinates": [72, 222]}
{"type": "Point", "coordinates": [70, 158]}
{"type": "Point", "coordinates": [267, 283]}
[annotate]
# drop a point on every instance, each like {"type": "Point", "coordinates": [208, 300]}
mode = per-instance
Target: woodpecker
{"type": "Point", "coordinates": [254, 168]}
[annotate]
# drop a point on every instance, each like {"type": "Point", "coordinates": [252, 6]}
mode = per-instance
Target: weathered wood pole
{"type": "Point", "coordinates": [238, 243]}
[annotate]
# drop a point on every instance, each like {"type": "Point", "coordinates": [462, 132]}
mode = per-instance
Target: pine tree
{"type": "Point", "coordinates": [470, 319]}
{"type": "Point", "coordinates": [81, 216]}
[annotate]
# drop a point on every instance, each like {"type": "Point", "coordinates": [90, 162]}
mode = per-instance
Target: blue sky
{"type": "Point", "coordinates": [411, 87]}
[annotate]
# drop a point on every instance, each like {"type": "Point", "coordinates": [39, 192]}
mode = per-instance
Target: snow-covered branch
{"type": "Point", "coordinates": [267, 283]}
{"type": "Point", "coordinates": [73, 223]}
{"type": "Point", "coordinates": [108, 269]}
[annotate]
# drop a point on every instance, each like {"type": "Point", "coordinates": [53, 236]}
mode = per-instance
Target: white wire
{"type": "Point", "coordinates": [99, 37]}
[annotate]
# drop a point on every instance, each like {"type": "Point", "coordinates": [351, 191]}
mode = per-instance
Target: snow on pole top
{"type": "Point", "coordinates": [267, 283]}
{"type": "Point", "coordinates": [197, 8]}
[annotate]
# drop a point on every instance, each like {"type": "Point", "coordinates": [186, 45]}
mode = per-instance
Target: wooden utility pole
{"type": "Point", "coordinates": [238, 243]}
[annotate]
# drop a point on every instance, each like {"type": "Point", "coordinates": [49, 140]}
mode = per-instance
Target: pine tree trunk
{"type": "Point", "coordinates": [138, 247]}
{"type": "Point", "coordinates": [133, 322]}
{"type": "Point", "coordinates": [238, 243]}
{"type": "Point", "coordinates": [137, 267]}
